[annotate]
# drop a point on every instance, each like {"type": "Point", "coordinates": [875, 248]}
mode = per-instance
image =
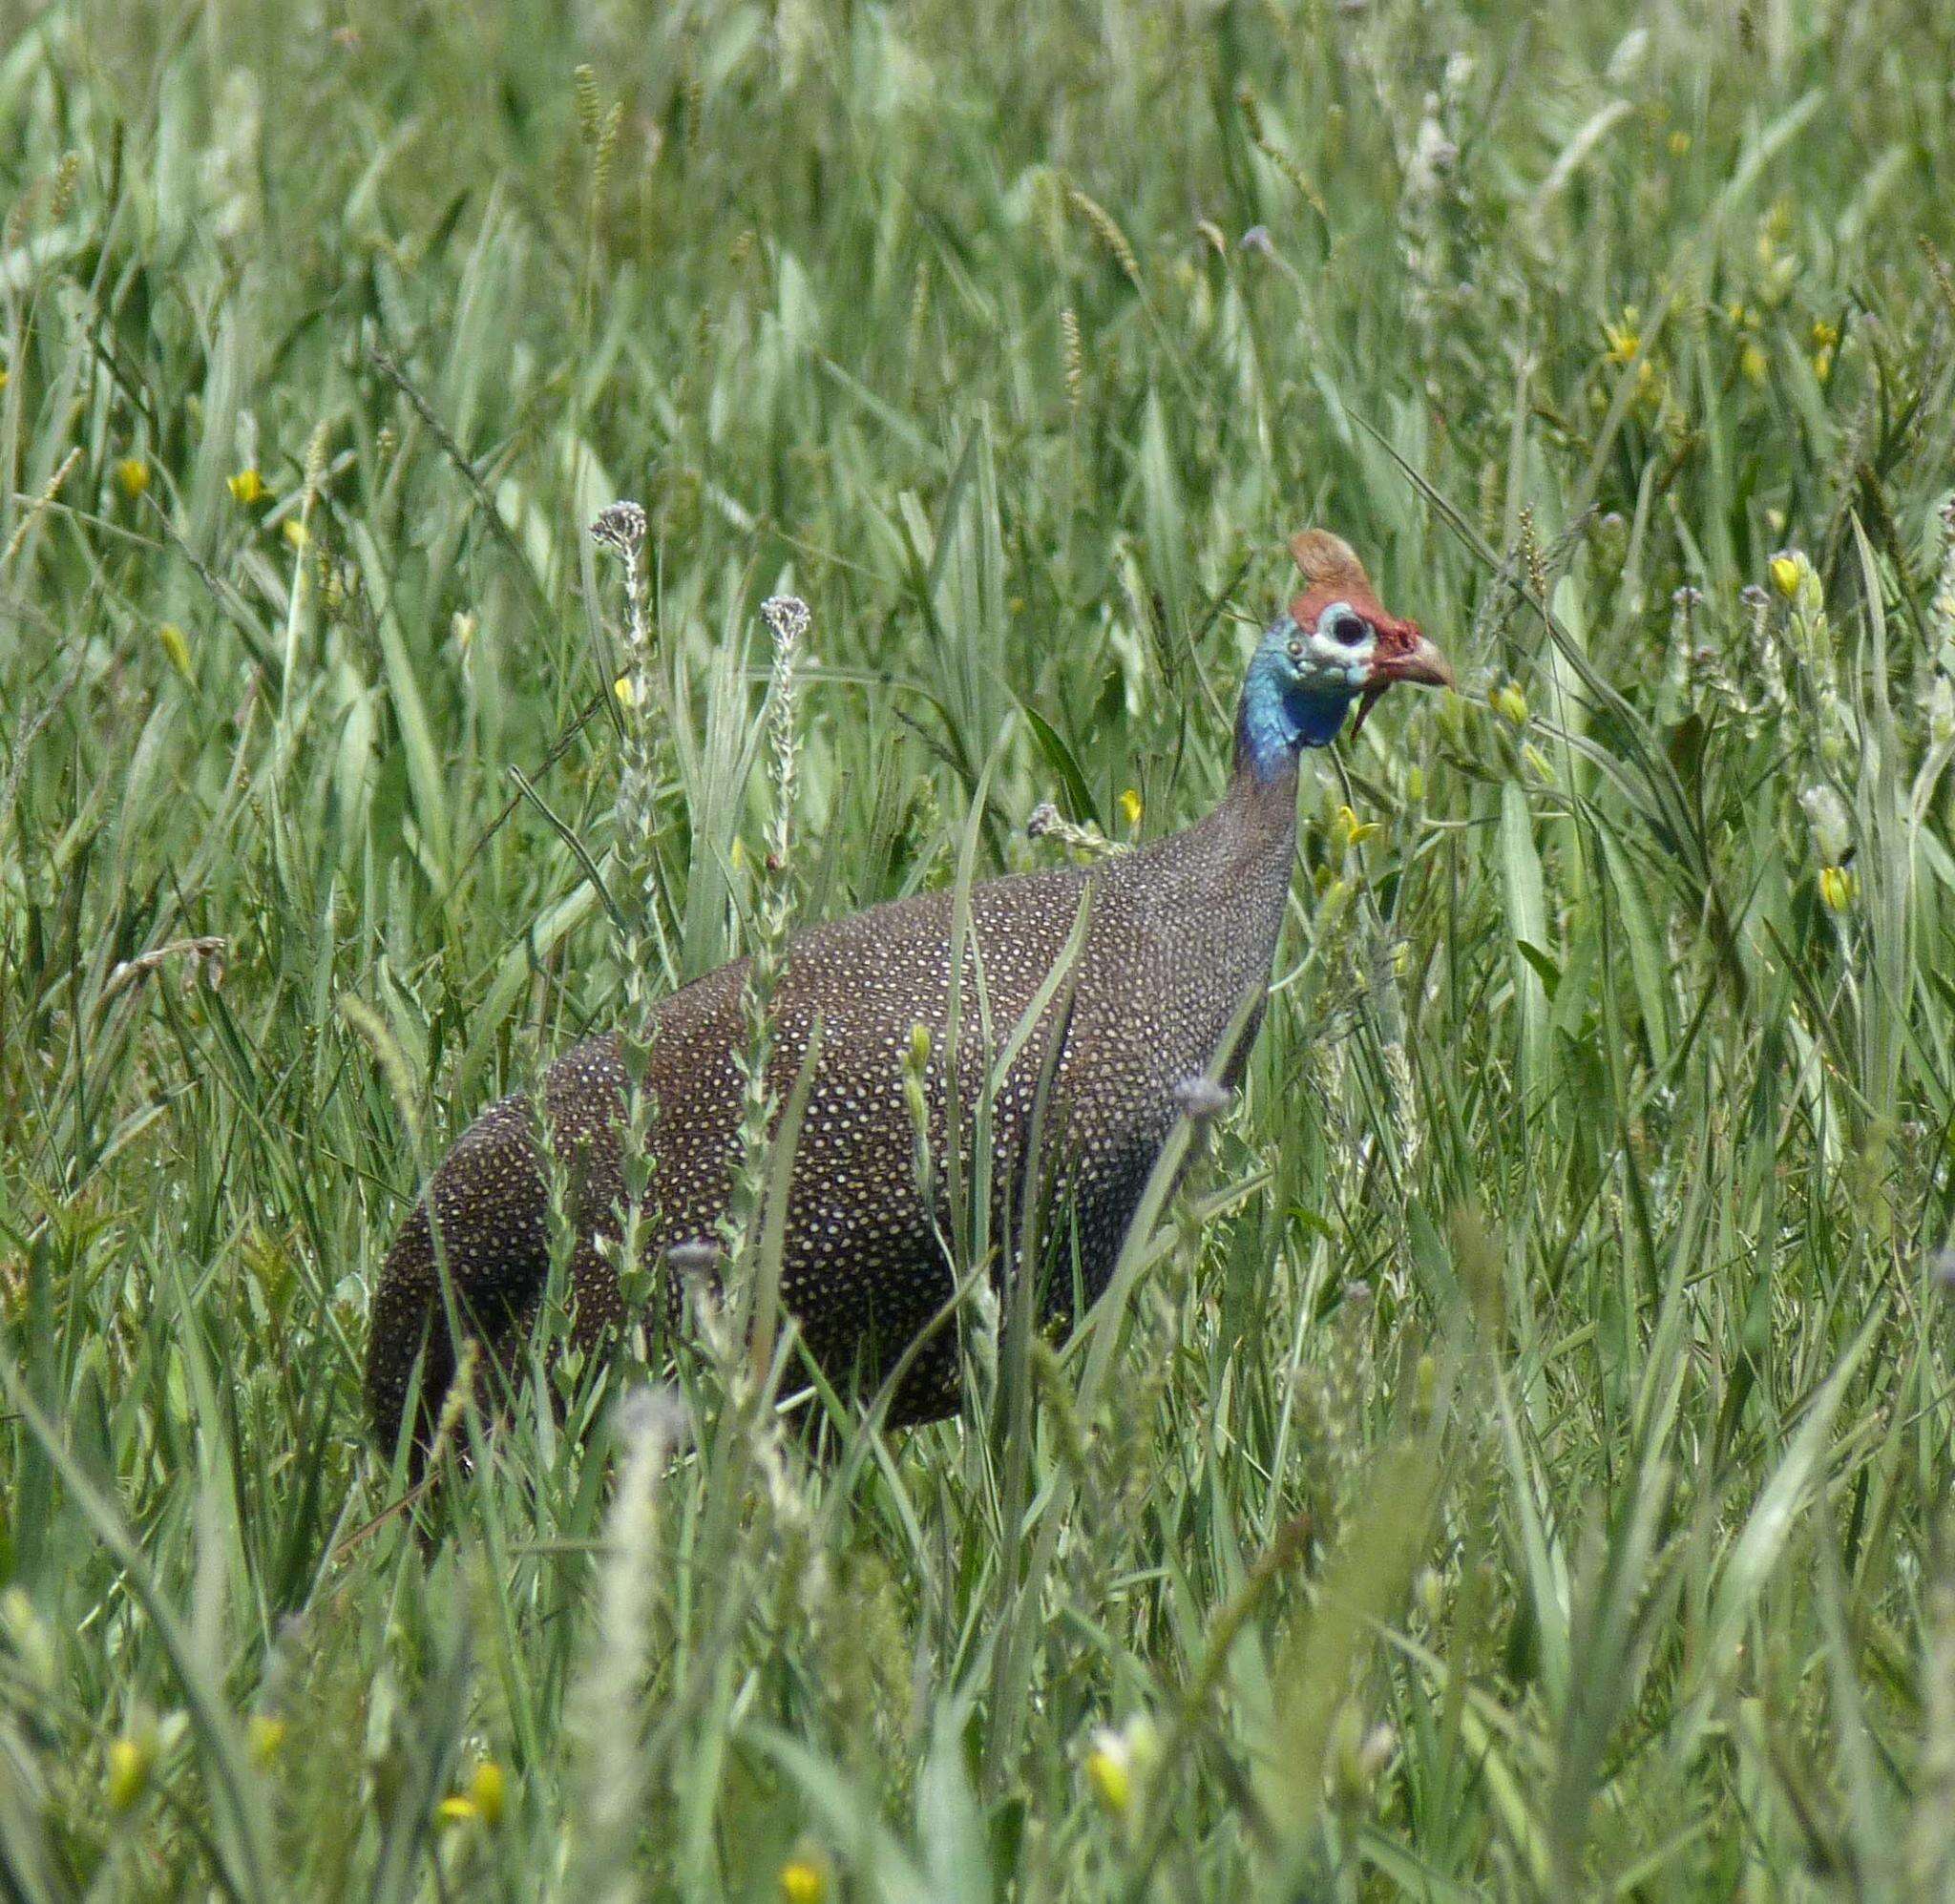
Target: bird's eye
{"type": "Point", "coordinates": [1348, 630]}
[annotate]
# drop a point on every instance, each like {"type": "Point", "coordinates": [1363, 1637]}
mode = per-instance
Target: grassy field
{"type": "Point", "coordinates": [1519, 1466]}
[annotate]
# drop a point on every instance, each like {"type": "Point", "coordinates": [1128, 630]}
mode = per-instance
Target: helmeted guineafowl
{"type": "Point", "coordinates": [1179, 939]}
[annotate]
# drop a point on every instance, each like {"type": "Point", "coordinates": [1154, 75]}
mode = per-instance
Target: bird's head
{"type": "Point", "coordinates": [1334, 644]}
{"type": "Point", "coordinates": [1338, 640]}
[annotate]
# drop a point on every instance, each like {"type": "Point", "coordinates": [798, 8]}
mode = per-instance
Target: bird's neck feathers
{"type": "Point", "coordinates": [1276, 720]}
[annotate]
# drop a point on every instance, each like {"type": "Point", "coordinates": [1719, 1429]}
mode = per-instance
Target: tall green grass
{"type": "Point", "coordinates": [1517, 1463]}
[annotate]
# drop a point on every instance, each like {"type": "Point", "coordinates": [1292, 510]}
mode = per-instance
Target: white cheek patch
{"type": "Point", "coordinates": [1351, 661]}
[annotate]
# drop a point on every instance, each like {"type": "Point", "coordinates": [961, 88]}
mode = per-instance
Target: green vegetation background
{"type": "Point", "coordinates": [1519, 1470]}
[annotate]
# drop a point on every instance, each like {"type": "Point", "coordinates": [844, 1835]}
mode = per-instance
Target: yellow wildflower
{"type": "Point", "coordinates": [1625, 340]}
{"type": "Point", "coordinates": [1836, 887]}
{"type": "Point", "coordinates": [482, 1802]}
{"type": "Point", "coordinates": [132, 476]}
{"type": "Point", "coordinates": [1110, 1776]}
{"type": "Point", "coordinates": [1825, 340]}
{"type": "Point", "coordinates": [131, 1759]}
{"type": "Point", "coordinates": [1426, 1383]}
{"type": "Point", "coordinates": [246, 487]}
{"type": "Point", "coordinates": [1784, 571]}
{"type": "Point", "coordinates": [1752, 364]}
{"type": "Point", "coordinates": [803, 1881]}
{"type": "Point", "coordinates": [488, 1788]}
{"type": "Point", "coordinates": [295, 532]}
{"type": "Point", "coordinates": [627, 695]}
{"type": "Point", "coordinates": [1347, 830]}
{"type": "Point", "coordinates": [1118, 1762]}
{"type": "Point", "coordinates": [176, 646]}
{"type": "Point", "coordinates": [1130, 806]}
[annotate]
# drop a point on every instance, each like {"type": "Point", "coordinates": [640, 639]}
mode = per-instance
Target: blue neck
{"type": "Point", "coordinates": [1277, 718]}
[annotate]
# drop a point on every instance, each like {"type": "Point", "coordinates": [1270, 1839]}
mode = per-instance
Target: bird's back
{"type": "Point", "coordinates": [1176, 935]}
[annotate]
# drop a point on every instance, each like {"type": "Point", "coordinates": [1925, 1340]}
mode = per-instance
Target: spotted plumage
{"type": "Point", "coordinates": [1178, 937]}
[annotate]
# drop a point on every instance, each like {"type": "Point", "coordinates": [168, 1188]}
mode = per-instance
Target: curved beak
{"type": "Point", "coordinates": [1421, 662]}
